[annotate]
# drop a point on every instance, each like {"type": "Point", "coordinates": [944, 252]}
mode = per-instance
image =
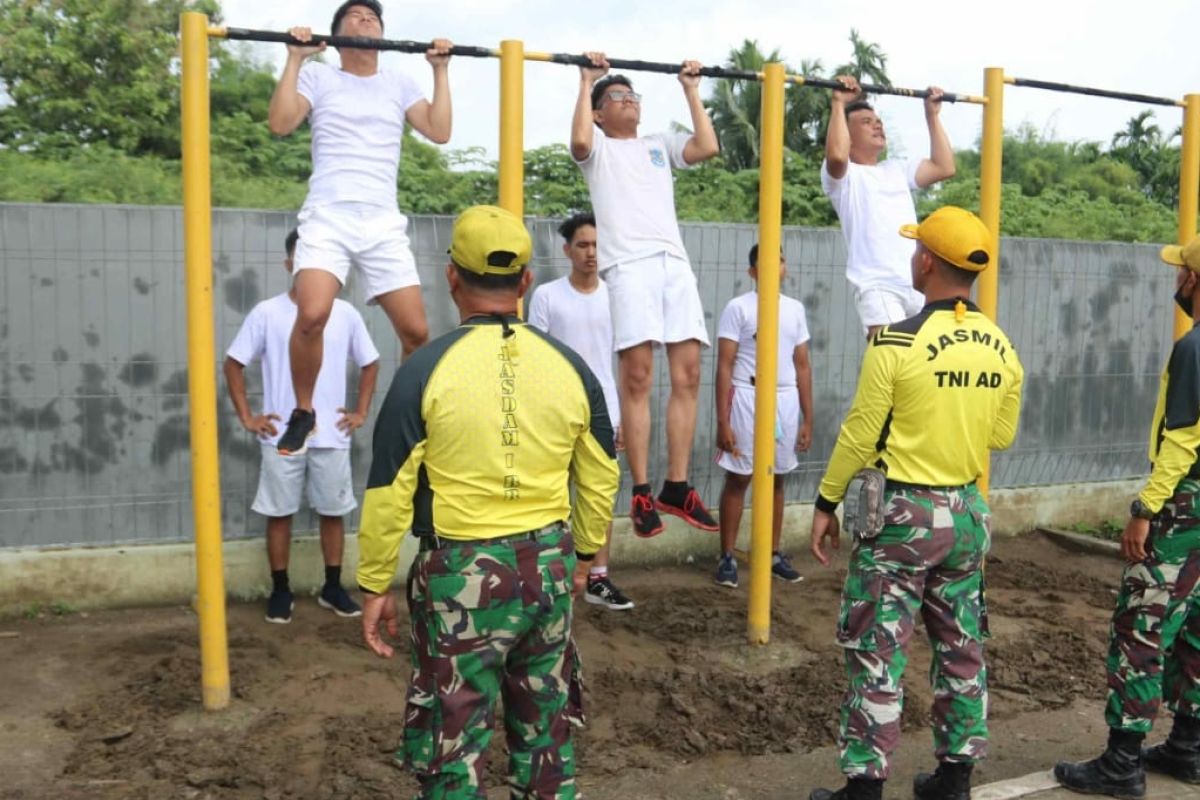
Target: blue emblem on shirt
{"type": "Point", "coordinates": [657, 158]}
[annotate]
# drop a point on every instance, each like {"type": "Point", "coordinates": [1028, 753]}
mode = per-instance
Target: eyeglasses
{"type": "Point", "coordinates": [620, 97]}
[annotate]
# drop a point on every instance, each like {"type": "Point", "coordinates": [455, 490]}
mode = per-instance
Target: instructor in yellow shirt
{"type": "Point", "coordinates": [937, 391]}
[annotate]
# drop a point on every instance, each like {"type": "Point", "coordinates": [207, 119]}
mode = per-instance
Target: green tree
{"type": "Point", "coordinates": [87, 72]}
{"type": "Point", "coordinates": [867, 62]}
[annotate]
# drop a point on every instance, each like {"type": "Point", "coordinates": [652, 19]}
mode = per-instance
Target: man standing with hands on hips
{"type": "Point", "coordinates": [922, 530]}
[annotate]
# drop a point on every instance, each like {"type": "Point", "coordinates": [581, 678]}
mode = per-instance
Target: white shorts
{"type": "Point", "coordinates": [336, 236]}
{"type": "Point", "coordinates": [741, 419]}
{"type": "Point", "coordinates": [655, 300]}
{"type": "Point", "coordinates": [886, 305]}
{"type": "Point", "coordinates": [323, 471]}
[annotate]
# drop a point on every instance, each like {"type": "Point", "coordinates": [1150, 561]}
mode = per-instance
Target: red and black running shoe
{"type": "Point", "coordinates": [692, 511]}
{"type": "Point", "coordinates": [646, 522]}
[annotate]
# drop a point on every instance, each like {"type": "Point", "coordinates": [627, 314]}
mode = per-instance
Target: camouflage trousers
{"type": "Point", "coordinates": [929, 560]}
{"type": "Point", "coordinates": [493, 621]}
{"type": "Point", "coordinates": [1154, 640]}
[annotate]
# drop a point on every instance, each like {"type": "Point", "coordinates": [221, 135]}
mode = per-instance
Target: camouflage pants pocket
{"type": "Point", "coordinates": [573, 679]}
{"type": "Point", "coordinates": [858, 627]}
{"type": "Point", "coordinates": [422, 744]}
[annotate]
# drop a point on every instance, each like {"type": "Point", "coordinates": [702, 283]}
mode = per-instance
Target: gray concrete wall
{"type": "Point", "coordinates": [93, 359]}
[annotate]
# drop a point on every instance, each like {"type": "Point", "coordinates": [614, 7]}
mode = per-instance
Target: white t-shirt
{"type": "Point", "coordinates": [357, 126]}
{"type": "Point", "coordinates": [633, 195]}
{"type": "Point", "coordinates": [583, 322]}
{"type": "Point", "coordinates": [739, 323]}
{"type": "Point", "coordinates": [265, 333]}
{"type": "Point", "coordinates": [873, 202]}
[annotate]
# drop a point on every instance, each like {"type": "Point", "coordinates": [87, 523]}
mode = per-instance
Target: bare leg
{"type": "Point", "coordinates": [279, 539]}
{"type": "Point", "coordinates": [777, 516]}
{"type": "Point", "coordinates": [733, 498]}
{"type": "Point", "coordinates": [333, 539]}
{"type": "Point", "coordinates": [636, 367]}
{"type": "Point", "coordinates": [601, 559]}
{"type": "Point", "coordinates": [872, 330]}
{"type": "Point", "coordinates": [407, 314]}
{"type": "Point", "coordinates": [684, 360]}
{"type": "Point", "coordinates": [315, 293]}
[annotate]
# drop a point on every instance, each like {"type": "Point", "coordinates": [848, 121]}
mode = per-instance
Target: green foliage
{"type": "Point", "coordinates": [93, 117]}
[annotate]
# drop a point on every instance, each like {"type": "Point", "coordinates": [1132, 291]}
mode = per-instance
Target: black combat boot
{"type": "Point", "coordinates": [855, 789]}
{"type": "Point", "coordinates": [1179, 756]}
{"type": "Point", "coordinates": [1117, 772]}
{"type": "Point", "coordinates": [951, 781]}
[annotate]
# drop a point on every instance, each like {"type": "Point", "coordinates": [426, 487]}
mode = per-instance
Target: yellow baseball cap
{"type": "Point", "coordinates": [955, 235]}
{"type": "Point", "coordinates": [1186, 256]}
{"type": "Point", "coordinates": [489, 240]}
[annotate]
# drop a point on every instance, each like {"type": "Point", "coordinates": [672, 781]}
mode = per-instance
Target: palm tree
{"type": "Point", "coordinates": [868, 62]}
{"type": "Point", "coordinates": [736, 107]}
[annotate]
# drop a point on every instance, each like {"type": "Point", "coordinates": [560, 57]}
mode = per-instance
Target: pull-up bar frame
{"type": "Point", "coordinates": [512, 55]}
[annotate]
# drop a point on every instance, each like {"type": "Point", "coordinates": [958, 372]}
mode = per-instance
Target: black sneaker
{"type": "Point", "coordinates": [692, 511]}
{"type": "Point", "coordinates": [300, 428]}
{"type": "Point", "coordinates": [337, 600]}
{"type": "Point", "coordinates": [646, 522]}
{"type": "Point", "coordinates": [601, 592]}
{"type": "Point", "coordinates": [279, 608]}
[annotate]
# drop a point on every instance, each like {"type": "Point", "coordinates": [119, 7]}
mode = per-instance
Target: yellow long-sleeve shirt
{"type": "Point", "coordinates": [478, 438]}
{"type": "Point", "coordinates": [935, 394]}
{"type": "Point", "coordinates": [1175, 431]}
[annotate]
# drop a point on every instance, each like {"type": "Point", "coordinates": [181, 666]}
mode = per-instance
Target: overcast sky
{"type": "Point", "coordinates": [1148, 47]}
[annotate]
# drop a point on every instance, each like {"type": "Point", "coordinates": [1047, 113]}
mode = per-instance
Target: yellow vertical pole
{"type": "Point", "coordinates": [991, 160]}
{"type": "Point", "coordinates": [770, 220]}
{"type": "Point", "coordinates": [202, 381]}
{"type": "Point", "coordinates": [1189, 189]}
{"type": "Point", "coordinates": [511, 170]}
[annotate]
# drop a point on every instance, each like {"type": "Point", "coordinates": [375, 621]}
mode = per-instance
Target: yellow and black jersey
{"type": "Point", "coordinates": [1175, 432]}
{"type": "Point", "coordinates": [478, 438]}
{"type": "Point", "coordinates": [935, 393]}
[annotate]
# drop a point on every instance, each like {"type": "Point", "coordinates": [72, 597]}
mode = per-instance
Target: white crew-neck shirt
{"type": "Point", "coordinates": [265, 334]}
{"type": "Point", "coordinates": [583, 322]}
{"type": "Point", "coordinates": [739, 323]}
{"type": "Point", "coordinates": [633, 195]}
{"type": "Point", "coordinates": [357, 126]}
{"type": "Point", "coordinates": [872, 203]}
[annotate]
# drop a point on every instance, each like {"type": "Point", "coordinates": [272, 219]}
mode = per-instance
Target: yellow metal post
{"type": "Point", "coordinates": [770, 220]}
{"type": "Point", "coordinates": [1189, 189]}
{"type": "Point", "coordinates": [202, 380]}
{"type": "Point", "coordinates": [512, 126]}
{"type": "Point", "coordinates": [991, 159]}
{"type": "Point", "coordinates": [511, 177]}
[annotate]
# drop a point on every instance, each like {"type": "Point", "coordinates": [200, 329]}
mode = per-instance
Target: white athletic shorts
{"type": "Point", "coordinates": [336, 236]}
{"type": "Point", "coordinates": [655, 300]}
{"type": "Point", "coordinates": [885, 305]}
{"type": "Point", "coordinates": [323, 471]}
{"type": "Point", "coordinates": [741, 419]}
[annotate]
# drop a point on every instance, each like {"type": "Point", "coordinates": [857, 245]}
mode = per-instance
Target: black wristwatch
{"type": "Point", "coordinates": [1138, 510]}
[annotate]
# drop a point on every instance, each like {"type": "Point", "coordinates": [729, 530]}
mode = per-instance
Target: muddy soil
{"type": "Point", "coordinates": [107, 705]}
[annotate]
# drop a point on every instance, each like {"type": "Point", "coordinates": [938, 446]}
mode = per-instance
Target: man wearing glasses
{"type": "Point", "coordinates": [653, 293]}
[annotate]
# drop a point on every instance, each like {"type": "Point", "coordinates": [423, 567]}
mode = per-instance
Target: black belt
{"type": "Point", "coordinates": [920, 487]}
{"type": "Point", "coordinates": [432, 541]}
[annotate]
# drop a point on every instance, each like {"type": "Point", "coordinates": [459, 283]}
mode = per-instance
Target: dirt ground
{"type": "Point", "coordinates": [106, 705]}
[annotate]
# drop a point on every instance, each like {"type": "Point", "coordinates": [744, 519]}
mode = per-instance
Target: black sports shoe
{"type": "Point", "coordinates": [279, 608]}
{"type": "Point", "coordinates": [646, 522]}
{"type": "Point", "coordinates": [300, 428]}
{"type": "Point", "coordinates": [337, 600]}
{"type": "Point", "coordinates": [692, 511]}
{"type": "Point", "coordinates": [601, 592]}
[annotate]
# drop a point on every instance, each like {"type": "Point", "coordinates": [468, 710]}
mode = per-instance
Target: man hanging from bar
{"type": "Point", "coordinates": [1154, 641]}
{"type": "Point", "coordinates": [655, 300]}
{"type": "Point", "coordinates": [921, 526]}
{"type": "Point", "coordinates": [873, 198]}
{"type": "Point", "coordinates": [350, 216]}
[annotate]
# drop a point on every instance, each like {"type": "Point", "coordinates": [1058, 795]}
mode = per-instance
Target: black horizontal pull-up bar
{"type": "Point", "coordinates": [1066, 87]}
{"type": "Point", "coordinates": [573, 59]}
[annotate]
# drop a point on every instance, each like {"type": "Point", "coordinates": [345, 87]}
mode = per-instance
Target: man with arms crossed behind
{"type": "Point", "coordinates": [873, 198]}
{"type": "Point", "coordinates": [574, 309]}
{"type": "Point", "coordinates": [655, 300]}
{"type": "Point", "coordinates": [350, 217]}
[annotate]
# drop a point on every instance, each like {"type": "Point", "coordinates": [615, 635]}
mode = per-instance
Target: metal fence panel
{"type": "Point", "coordinates": [94, 445]}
